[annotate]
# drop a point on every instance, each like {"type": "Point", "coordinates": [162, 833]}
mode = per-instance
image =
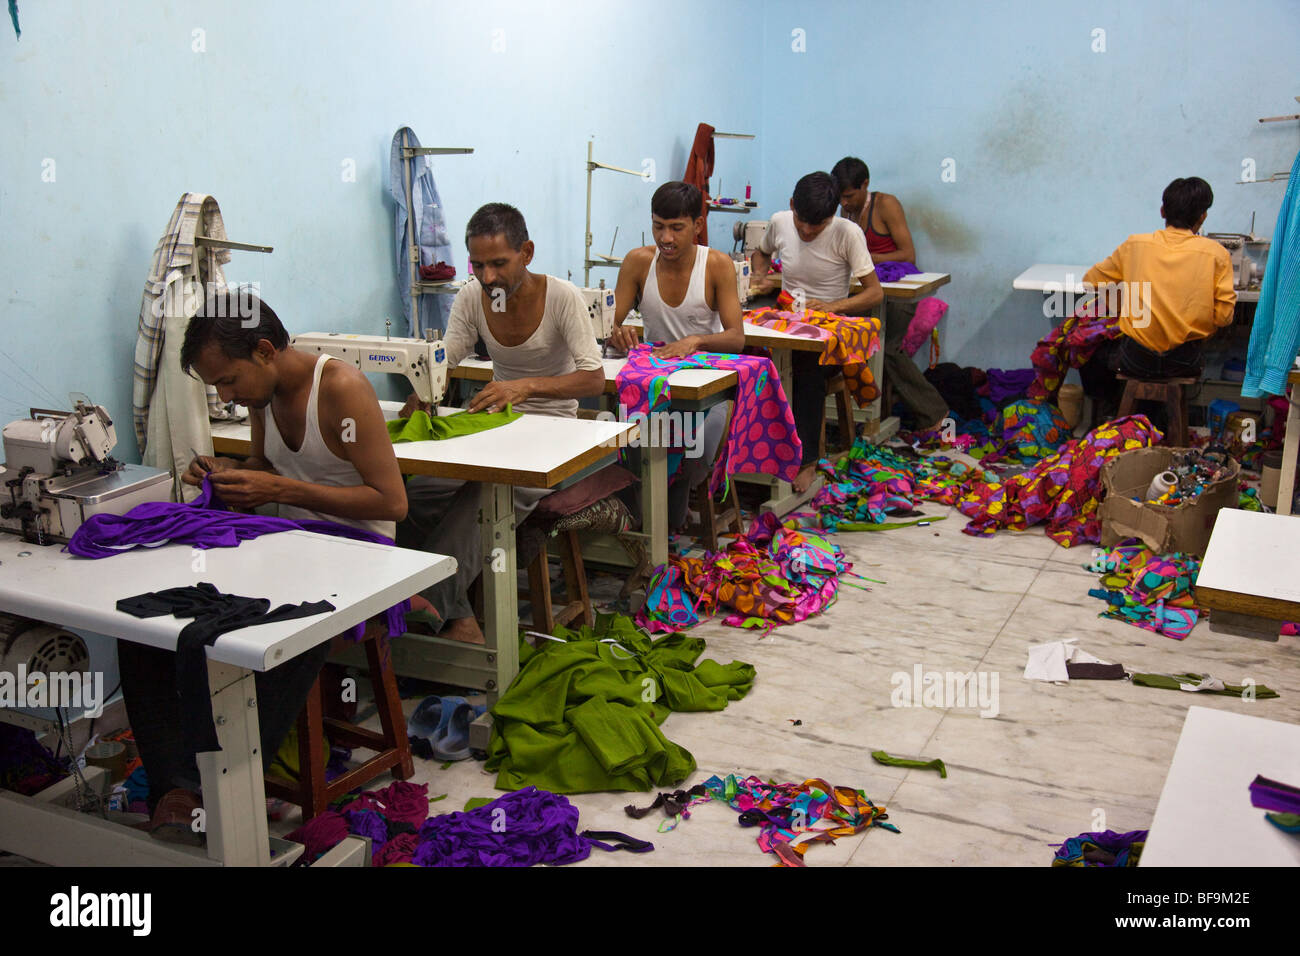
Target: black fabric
{"type": "Point", "coordinates": [1095, 671]}
{"type": "Point", "coordinates": [214, 614]}
{"type": "Point", "coordinates": [808, 403]}
{"type": "Point", "coordinates": [673, 803]}
{"type": "Point", "coordinates": [622, 841]}
{"type": "Point", "coordinates": [954, 383]}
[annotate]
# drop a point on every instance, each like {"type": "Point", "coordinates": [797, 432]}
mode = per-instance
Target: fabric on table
{"type": "Point", "coordinates": [850, 340]}
{"type": "Point", "coordinates": [1105, 848]}
{"type": "Point", "coordinates": [893, 271]}
{"type": "Point", "coordinates": [583, 713]}
{"type": "Point", "coordinates": [423, 427]}
{"type": "Point", "coordinates": [214, 614]}
{"type": "Point", "coordinates": [1275, 331]}
{"type": "Point", "coordinates": [763, 438]}
{"type": "Point", "coordinates": [879, 756]}
{"type": "Point", "coordinates": [427, 222]}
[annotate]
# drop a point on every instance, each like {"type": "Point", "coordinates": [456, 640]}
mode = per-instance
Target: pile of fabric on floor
{"type": "Point", "coordinates": [1148, 590]}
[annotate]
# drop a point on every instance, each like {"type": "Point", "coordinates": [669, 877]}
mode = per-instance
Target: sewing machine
{"type": "Point", "coordinates": [748, 235]}
{"type": "Point", "coordinates": [742, 279]}
{"type": "Point", "coordinates": [1249, 255]}
{"type": "Point", "coordinates": [600, 307]}
{"type": "Point", "coordinates": [59, 470]}
{"type": "Point", "coordinates": [422, 361]}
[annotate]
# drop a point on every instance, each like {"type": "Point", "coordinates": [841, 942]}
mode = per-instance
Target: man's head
{"type": "Point", "coordinates": [1185, 203]}
{"type": "Point", "coordinates": [676, 214]}
{"type": "Point", "coordinates": [852, 176]}
{"type": "Point", "coordinates": [815, 199]}
{"type": "Point", "coordinates": [499, 247]}
{"type": "Point", "coordinates": [232, 343]}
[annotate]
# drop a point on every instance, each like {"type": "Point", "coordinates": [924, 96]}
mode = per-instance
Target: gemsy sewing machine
{"type": "Point", "coordinates": [600, 307]}
{"type": "Point", "coordinates": [1249, 255]}
{"type": "Point", "coordinates": [59, 470]}
{"type": "Point", "coordinates": [422, 361]}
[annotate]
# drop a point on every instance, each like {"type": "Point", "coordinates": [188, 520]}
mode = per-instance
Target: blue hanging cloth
{"type": "Point", "coordinates": [430, 230]}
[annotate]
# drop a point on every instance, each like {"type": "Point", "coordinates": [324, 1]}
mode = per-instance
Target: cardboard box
{"type": "Point", "coordinates": [1161, 528]}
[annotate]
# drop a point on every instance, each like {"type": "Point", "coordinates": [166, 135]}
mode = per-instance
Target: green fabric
{"type": "Point", "coordinates": [879, 756]}
{"type": "Point", "coordinates": [1288, 822]}
{"type": "Point", "coordinates": [577, 719]}
{"type": "Point", "coordinates": [1167, 682]}
{"type": "Point", "coordinates": [883, 526]}
{"type": "Point", "coordinates": [421, 427]}
{"type": "Point", "coordinates": [473, 803]}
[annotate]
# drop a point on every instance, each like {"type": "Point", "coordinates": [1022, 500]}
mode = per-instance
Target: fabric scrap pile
{"type": "Point", "coordinates": [850, 340]}
{"type": "Point", "coordinates": [26, 767]}
{"type": "Point", "coordinates": [1148, 590]}
{"type": "Point", "coordinates": [871, 484]}
{"type": "Point", "coordinates": [583, 714]}
{"type": "Point", "coordinates": [791, 817]}
{"type": "Point", "coordinates": [1106, 848]}
{"type": "Point", "coordinates": [774, 575]}
{"type": "Point", "coordinates": [1030, 429]}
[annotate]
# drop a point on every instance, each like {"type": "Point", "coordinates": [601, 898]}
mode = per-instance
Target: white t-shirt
{"type": "Point", "coordinates": [821, 268]}
{"type": "Point", "coordinates": [562, 343]}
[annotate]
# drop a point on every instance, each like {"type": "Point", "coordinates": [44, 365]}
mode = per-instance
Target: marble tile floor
{"type": "Point", "coordinates": [1055, 760]}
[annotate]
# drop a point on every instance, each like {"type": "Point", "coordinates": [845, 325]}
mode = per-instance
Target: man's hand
{"type": "Point", "coordinates": [495, 396]}
{"type": "Point", "coordinates": [817, 305]}
{"type": "Point", "coordinates": [679, 349]}
{"type": "Point", "coordinates": [245, 488]}
{"type": "Point", "coordinates": [203, 464]}
{"type": "Point", "coordinates": [413, 403]}
{"type": "Point", "coordinates": [762, 285]}
{"type": "Point", "coordinates": [624, 337]}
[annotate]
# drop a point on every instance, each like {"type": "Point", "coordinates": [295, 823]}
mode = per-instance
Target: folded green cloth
{"type": "Point", "coordinates": [423, 427]}
{"type": "Point", "coordinates": [1175, 682]}
{"type": "Point", "coordinates": [879, 756]}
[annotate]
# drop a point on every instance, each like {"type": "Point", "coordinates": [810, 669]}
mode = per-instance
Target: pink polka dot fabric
{"type": "Point", "coordinates": [762, 439]}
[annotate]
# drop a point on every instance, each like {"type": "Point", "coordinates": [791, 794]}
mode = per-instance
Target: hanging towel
{"type": "Point", "coordinates": [430, 229]}
{"type": "Point", "coordinates": [699, 167]}
{"type": "Point", "coordinates": [1275, 334]}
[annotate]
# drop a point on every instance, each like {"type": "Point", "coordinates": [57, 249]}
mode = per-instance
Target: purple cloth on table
{"type": "Point", "coordinates": [519, 829]}
{"type": "Point", "coordinates": [1005, 385]}
{"type": "Point", "coordinates": [893, 271]}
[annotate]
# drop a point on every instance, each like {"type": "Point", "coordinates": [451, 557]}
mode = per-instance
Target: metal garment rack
{"type": "Point", "coordinates": [589, 263]}
{"type": "Point", "coordinates": [419, 286]}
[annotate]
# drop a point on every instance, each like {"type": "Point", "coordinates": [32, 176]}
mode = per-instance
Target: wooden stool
{"type": "Point", "coordinates": [393, 749]}
{"type": "Point", "coordinates": [848, 429]}
{"type": "Point", "coordinates": [546, 617]}
{"type": "Point", "coordinates": [1168, 391]}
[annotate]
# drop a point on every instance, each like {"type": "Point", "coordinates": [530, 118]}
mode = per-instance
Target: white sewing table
{"type": "Point", "coordinates": [361, 579]}
{"type": "Point", "coordinates": [1248, 577]}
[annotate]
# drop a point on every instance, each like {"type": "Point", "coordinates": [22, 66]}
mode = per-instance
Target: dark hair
{"type": "Point", "coordinates": [850, 172]}
{"type": "Point", "coordinates": [1185, 200]}
{"type": "Point", "coordinates": [677, 200]}
{"type": "Point", "coordinates": [236, 320]}
{"type": "Point", "coordinates": [498, 219]}
{"type": "Point", "coordinates": [816, 197]}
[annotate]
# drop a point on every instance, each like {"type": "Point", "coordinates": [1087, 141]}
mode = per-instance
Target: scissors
{"type": "Point", "coordinates": [199, 459]}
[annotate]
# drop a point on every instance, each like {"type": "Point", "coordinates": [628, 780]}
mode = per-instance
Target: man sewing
{"type": "Point", "coordinates": [706, 316]}
{"type": "Point", "coordinates": [1175, 289]}
{"type": "Point", "coordinates": [820, 256]}
{"type": "Point", "coordinates": [320, 449]}
{"type": "Point", "coordinates": [544, 358]}
{"type": "Point", "coordinates": [884, 226]}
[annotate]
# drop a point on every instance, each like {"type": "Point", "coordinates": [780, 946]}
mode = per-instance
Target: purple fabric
{"type": "Point", "coordinates": [1004, 385]}
{"type": "Point", "coordinates": [519, 829]}
{"type": "Point", "coordinates": [893, 271]}
{"type": "Point", "coordinates": [203, 523]}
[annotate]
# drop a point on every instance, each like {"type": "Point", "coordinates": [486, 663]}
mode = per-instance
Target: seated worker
{"type": "Point", "coordinates": [1175, 290]}
{"type": "Point", "coordinates": [544, 358]}
{"type": "Point", "coordinates": [820, 255]}
{"type": "Point", "coordinates": [889, 240]}
{"type": "Point", "coordinates": [706, 318]}
{"type": "Point", "coordinates": [298, 406]}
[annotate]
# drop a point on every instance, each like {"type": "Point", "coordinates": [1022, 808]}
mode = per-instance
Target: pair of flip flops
{"type": "Point", "coordinates": [444, 723]}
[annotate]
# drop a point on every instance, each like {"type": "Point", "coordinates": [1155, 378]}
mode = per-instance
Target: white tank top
{"type": "Point", "coordinates": [664, 323]}
{"type": "Point", "coordinates": [314, 462]}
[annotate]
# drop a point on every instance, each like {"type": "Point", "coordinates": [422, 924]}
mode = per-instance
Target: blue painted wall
{"type": "Point", "coordinates": [1060, 152]}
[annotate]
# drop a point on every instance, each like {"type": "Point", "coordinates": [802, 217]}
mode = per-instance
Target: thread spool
{"type": "Point", "coordinates": [1270, 478]}
{"type": "Point", "coordinates": [1160, 484]}
{"type": "Point", "coordinates": [111, 755]}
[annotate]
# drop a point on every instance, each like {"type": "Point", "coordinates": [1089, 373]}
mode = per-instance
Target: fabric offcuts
{"type": "Point", "coordinates": [1070, 345]}
{"type": "Point", "coordinates": [763, 439]}
{"type": "Point", "coordinates": [850, 342]}
{"type": "Point", "coordinates": [1148, 590]}
{"type": "Point", "coordinates": [1105, 848]}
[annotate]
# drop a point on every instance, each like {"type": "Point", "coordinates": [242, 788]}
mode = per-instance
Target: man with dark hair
{"type": "Point", "coordinates": [544, 358]}
{"type": "Point", "coordinates": [820, 255]}
{"type": "Point", "coordinates": [706, 318]}
{"type": "Point", "coordinates": [320, 449]}
{"type": "Point", "coordinates": [889, 240]}
{"type": "Point", "coordinates": [1175, 292]}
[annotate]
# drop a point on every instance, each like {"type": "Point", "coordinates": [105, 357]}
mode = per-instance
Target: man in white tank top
{"type": "Point", "coordinates": [706, 318]}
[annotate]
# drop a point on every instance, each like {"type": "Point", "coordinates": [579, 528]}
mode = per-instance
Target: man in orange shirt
{"type": "Point", "coordinates": [1175, 290]}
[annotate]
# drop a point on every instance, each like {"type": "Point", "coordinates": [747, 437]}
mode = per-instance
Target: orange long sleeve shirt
{"type": "Point", "coordinates": [1177, 287]}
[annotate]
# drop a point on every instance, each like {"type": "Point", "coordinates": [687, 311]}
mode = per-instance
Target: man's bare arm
{"type": "Point", "coordinates": [891, 212]}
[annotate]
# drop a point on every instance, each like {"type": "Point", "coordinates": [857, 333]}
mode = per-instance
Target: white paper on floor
{"type": "Point", "coordinates": [1047, 661]}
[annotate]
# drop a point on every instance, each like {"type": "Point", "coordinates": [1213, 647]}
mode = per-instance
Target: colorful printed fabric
{"type": "Point", "coordinates": [1148, 590]}
{"type": "Point", "coordinates": [1070, 345]}
{"type": "Point", "coordinates": [851, 340]}
{"type": "Point", "coordinates": [1063, 490]}
{"type": "Point", "coordinates": [1106, 848]}
{"type": "Point", "coordinates": [774, 575]}
{"type": "Point", "coordinates": [763, 438]}
{"type": "Point", "coordinates": [1032, 429]}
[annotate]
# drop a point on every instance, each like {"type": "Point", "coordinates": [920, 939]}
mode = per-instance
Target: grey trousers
{"type": "Point", "coordinates": [442, 518]}
{"type": "Point", "coordinates": [910, 386]}
{"type": "Point", "coordinates": [710, 434]}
